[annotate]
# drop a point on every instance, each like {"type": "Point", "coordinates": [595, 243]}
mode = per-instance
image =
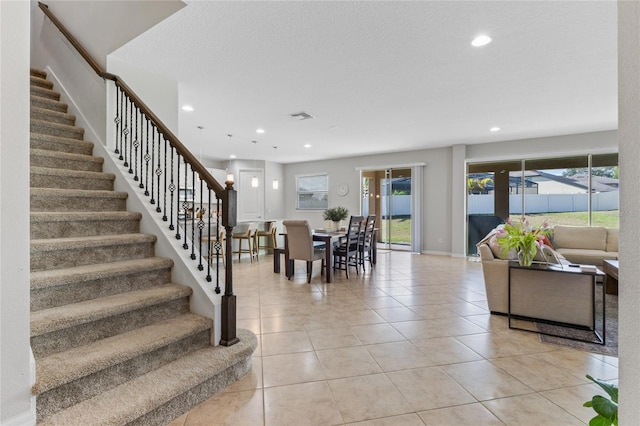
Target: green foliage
{"type": "Point", "coordinates": [611, 172]}
{"type": "Point", "coordinates": [335, 214]}
{"type": "Point", "coordinates": [606, 409]}
{"type": "Point", "coordinates": [521, 237]}
{"type": "Point", "coordinates": [476, 185]}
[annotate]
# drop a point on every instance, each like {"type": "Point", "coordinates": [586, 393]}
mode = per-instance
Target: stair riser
{"type": "Point", "coordinates": [41, 203]}
{"type": "Point", "coordinates": [41, 82]}
{"type": "Point", "coordinates": [194, 396]}
{"type": "Point", "coordinates": [41, 160]}
{"type": "Point", "coordinates": [71, 147]}
{"type": "Point", "coordinates": [69, 257]}
{"type": "Point", "coordinates": [46, 103]}
{"type": "Point", "coordinates": [64, 396]}
{"type": "Point", "coordinates": [61, 131]}
{"type": "Point", "coordinates": [83, 334]}
{"type": "Point", "coordinates": [83, 228]}
{"type": "Point", "coordinates": [51, 116]}
{"type": "Point", "coordinates": [69, 182]}
{"type": "Point", "coordinates": [79, 291]}
{"type": "Point", "coordinates": [45, 93]}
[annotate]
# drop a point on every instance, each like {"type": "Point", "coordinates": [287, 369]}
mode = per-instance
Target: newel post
{"type": "Point", "coordinates": [229, 219]}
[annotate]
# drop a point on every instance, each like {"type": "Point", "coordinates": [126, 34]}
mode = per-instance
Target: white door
{"type": "Point", "coordinates": [250, 198]}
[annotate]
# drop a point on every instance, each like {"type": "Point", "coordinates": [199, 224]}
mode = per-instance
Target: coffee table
{"type": "Point", "coordinates": [610, 269]}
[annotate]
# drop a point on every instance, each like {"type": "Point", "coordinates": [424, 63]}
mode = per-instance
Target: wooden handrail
{"type": "Point", "coordinates": [173, 140]}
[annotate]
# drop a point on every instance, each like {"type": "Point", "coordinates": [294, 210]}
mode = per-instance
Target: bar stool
{"type": "Point", "coordinates": [270, 235]}
{"type": "Point", "coordinates": [248, 235]}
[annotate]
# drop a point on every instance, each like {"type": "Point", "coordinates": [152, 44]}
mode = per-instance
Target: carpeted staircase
{"type": "Point", "coordinates": [113, 338]}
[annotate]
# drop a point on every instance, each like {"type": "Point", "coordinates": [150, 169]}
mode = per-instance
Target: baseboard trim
{"type": "Point", "coordinates": [25, 418]}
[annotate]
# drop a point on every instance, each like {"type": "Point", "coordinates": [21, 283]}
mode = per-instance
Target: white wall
{"type": "Point", "coordinates": [436, 190]}
{"type": "Point", "coordinates": [629, 135]}
{"type": "Point", "coordinates": [159, 93]}
{"type": "Point", "coordinates": [443, 213]}
{"type": "Point", "coordinates": [49, 49]}
{"type": "Point", "coordinates": [15, 367]}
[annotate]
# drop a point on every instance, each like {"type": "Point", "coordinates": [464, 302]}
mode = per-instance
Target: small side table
{"type": "Point", "coordinates": [610, 269]}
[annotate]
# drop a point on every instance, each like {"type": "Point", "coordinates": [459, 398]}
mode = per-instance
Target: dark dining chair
{"type": "Point", "coordinates": [346, 254]}
{"type": "Point", "coordinates": [367, 240]}
{"type": "Point", "coordinates": [301, 246]}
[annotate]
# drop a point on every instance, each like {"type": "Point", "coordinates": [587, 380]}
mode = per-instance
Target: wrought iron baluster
{"type": "Point", "coordinates": [124, 129]}
{"type": "Point", "coordinates": [180, 202]}
{"type": "Point", "coordinates": [172, 188]}
{"type": "Point", "coordinates": [193, 213]}
{"type": "Point", "coordinates": [200, 226]}
{"type": "Point", "coordinates": [136, 144]}
{"type": "Point", "coordinates": [186, 207]}
{"type": "Point", "coordinates": [153, 153]}
{"type": "Point", "coordinates": [128, 159]}
{"type": "Point", "coordinates": [117, 120]}
{"type": "Point", "coordinates": [147, 157]}
{"type": "Point", "coordinates": [208, 234]}
{"type": "Point", "coordinates": [164, 216]}
{"type": "Point", "coordinates": [218, 244]}
{"type": "Point", "coordinates": [158, 173]}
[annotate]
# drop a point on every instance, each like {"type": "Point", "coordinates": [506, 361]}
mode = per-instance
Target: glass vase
{"type": "Point", "coordinates": [525, 257]}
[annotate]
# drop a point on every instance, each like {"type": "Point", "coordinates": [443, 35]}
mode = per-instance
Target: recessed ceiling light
{"type": "Point", "coordinates": [260, 131]}
{"type": "Point", "coordinates": [306, 145]}
{"type": "Point", "coordinates": [187, 108]}
{"type": "Point", "coordinates": [494, 129]}
{"type": "Point", "coordinates": [481, 40]}
{"type": "Point", "coordinates": [232, 156]}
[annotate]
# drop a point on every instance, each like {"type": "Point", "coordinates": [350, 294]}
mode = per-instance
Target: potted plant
{"type": "Point", "coordinates": [336, 215]}
{"type": "Point", "coordinates": [605, 408]}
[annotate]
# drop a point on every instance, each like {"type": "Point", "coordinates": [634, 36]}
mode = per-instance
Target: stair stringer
{"type": "Point", "coordinates": [204, 301]}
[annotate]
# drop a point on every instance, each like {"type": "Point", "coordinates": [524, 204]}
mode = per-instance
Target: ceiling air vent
{"type": "Point", "coordinates": [302, 116]}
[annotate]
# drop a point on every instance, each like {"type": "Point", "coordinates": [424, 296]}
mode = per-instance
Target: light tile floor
{"type": "Point", "coordinates": [408, 343]}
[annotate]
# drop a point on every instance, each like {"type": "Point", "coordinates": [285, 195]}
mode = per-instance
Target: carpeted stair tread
{"type": "Point", "coordinates": [48, 177]}
{"type": "Point", "coordinates": [56, 129]}
{"type": "Point", "coordinates": [61, 200]}
{"type": "Point", "coordinates": [50, 115]}
{"type": "Point", "coordinates": [38, 80]}
{"type": "Point", "coordinates": [45, 93]}
{"type": "Point", "coordinates": [65, 160]}
{"type": "Point", "coordinates": [62, 317]}
{"type": "Point", "coordinates": [37, 72]}
{"type": "Point", "coordinates": [78, 193]}
{"type": "Point", "coordinates": [49, 244]}
{"type": "Point", "coordinates": [46, 103]}
{"type": "Point", "coordinates": [134, 399]}
{"type": "Point", "coordinates": [59, 143]}
{"type": "Point", "coordinates": [51, 171]}
{"type": "Point", "coordinates": [77, 224]}
{"type": "Point", "coordinates": [64, 367]}
{"type": "Point", "coordinates": [66, 276]}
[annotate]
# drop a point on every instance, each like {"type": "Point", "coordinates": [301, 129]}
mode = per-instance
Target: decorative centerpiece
{"type": "Point", "coordinates": [336, 215]}
{"type": "Point", "coordinates": [521, 238]}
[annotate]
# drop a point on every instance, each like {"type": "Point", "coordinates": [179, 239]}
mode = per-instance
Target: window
{"type": "Point", "coordinates": [313, 192]}
{"type": "Point", "coordinates": [579, 191]}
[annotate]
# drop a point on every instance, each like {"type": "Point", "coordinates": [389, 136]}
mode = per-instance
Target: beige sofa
{"type": "Point", "coordinates": [586, 245]}
{"type": "Point", "coordinates": [555, 296]}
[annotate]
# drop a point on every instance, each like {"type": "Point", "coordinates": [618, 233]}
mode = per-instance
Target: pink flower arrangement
{"type": "Point", "coordinates": [522, 238]}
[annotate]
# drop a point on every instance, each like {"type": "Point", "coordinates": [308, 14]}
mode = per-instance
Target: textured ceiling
{"type": "Point", "coordinates": [382, 76]}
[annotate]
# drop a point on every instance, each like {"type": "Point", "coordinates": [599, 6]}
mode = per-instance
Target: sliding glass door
{"type": "Point", "coordinates": [387, 194]}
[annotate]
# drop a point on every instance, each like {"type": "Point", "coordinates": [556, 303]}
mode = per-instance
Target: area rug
{"type": "Point", "coordinates": [611, 347]}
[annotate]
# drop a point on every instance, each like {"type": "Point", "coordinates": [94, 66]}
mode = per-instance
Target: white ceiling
{"type": "Point", "coordinates": [382, 76]}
